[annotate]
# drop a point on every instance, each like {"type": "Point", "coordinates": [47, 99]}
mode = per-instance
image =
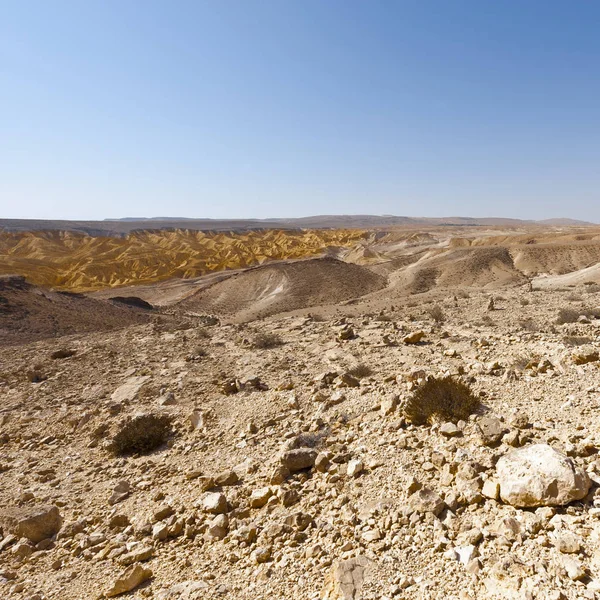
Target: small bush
{"type": "Point", "coordinates": [62, 353]}
{"type": "Point", "coordinates": [529, 325]}
{"type": "Point", "coordinates": [141, 434]}
{"type": "Point", "coordinates": [574, 340]}
{"type": "Point", "coordinates": [266, 340]}
{"type": "Point", "coordinates": [445, 399]}
{"type": "Point", "coordinates": [567, 315]}
{"type": "Point", "coordinates": [360, 370]}
{"type": "Point", "coordinates": [437, 314]}
{"type": "Point", "coordinates": [524, 301]}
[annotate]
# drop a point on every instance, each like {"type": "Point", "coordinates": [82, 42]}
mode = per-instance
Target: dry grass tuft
{"type": "Point", "coordinates": [263, 341]}
{"type": "Point", "coordinates": [437, 313]}
{"type": "Point", "coordinates": [360, 370]}
{"type": "Point", "coordinates": [445, 399]}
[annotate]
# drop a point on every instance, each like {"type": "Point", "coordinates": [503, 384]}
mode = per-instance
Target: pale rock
{"type": "Point", "coordinates": [567, 543]}
{"type": "Point", "coordinates": [426, 500]}
{"type": "Point", "coordinates": [129, 390]}
{"type": "Point", "coordinates": [129, 580]}
{"type": "Point", "coordinates": [450, 430]}
{"type": "Point", "coordinates": [345, 579]}
{"type": "Point", "coordinates": [414, 338]}
{"type": "Point", "coordinates": [355, 468]}
{"type": "Point", "coordinates": [491, 430]}
{"type": "Point", "coordinates": [573, 567]}
{"type": "Point", "coordinates": [538, 475]}
{"type": "Point", "coordinates": [491, 489]}
{"type": "Point", "coordinates": [215, 503]}
{"type": "Point", "coordinates": [218, 527]}
{"type": "Point", "coordinates": [260, 497]}
{"type": "Point", "coordinates": [120, 492]}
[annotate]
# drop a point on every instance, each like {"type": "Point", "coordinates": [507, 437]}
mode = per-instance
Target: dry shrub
{"type": "Point", "coordinates": [437, 313]}
{"type": "Point", "coordinates": [141, 434]}
{"type": "Point", "coordinates": [567, 315]}
{"type": "Point", "coordinates": [445, 399]}
{"type": "Point", "coordinates": [529, 324]}
{"type": "Point", "coordinates": [574, 340]}
{"type": "Point", "coordinates": [266, 340]}
{"type": "Point", "coordinates": [62, 353]}
{"type": "Point", "coordinates": [360, 370]}
{"type": "Point", "coordinates": [524, 301]}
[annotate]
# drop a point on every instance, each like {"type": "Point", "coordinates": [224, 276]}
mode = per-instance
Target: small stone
{"type": "Point", "coordinates": [298, 459]}
{"type": "Point", "coordinates": [260, 497]}
{"type": "Point", "coordinates": [225, 478]}
{"type": "Point", "coordinates": [137, 555]}
{"type": "Point", "coordinates": [414, 338]}
{"type": "Point", "coordinates": [121, 492]}
{"type": "Point", "coordinates": [491, 489]}
{"type": "Point", "coordinates": [218, 527]}
{"type": "Point", "coordinates": [262, 554]}
{"type": "Point", "coordinates": [450, 430]}
{"type": "Point", "coordinates": [573, 568]}
{"type": "Point", "coordinates": [160, 531]}
{"type": "Point", "coordinates": [129, 580]}
{"type": "Point", "coordinates": [567, 543]}
{"type": "Point", "coordinates": [491, 430]}
{"type": "Point", "coordinates": [323, 462]}
{"type": "Point", "coordinates": [426, 501]}
{"type": "Point", "coordinates": [355, 468]}
{"type": "Point", "coordinates": [162, 512]}
{"type": "Point", "coordinates": [215, 503]}
{"type": "Point", "coordinates": [345, 579]}
{"type": "Point", "coordinates": [167, 399]}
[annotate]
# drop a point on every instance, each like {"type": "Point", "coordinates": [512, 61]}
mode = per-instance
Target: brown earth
{"type": "Point", "coordinates": [28, 313]}
{"type": "Point", "coordinates": [273, 289]}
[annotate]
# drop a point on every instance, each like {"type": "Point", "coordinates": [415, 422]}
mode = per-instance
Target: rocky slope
{"type": "Point", "coordinates": [292, 469]}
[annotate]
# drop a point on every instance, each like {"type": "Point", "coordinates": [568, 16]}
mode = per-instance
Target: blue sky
{"type": "Point", "coordinates": [276, 108]}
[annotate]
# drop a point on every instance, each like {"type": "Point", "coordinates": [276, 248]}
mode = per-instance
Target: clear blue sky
{"type": "Point", "coordinates": [273, 108]}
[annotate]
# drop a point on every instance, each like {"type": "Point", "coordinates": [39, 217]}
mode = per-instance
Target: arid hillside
{"type": "Point", "coordinates": [79, 262]}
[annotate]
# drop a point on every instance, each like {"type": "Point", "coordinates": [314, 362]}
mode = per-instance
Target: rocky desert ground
{"type": "Point", "coordinates": [400, 413]}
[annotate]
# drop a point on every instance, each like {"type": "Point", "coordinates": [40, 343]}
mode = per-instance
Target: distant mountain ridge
{"type": "Point", "coordinates": [129, 224]}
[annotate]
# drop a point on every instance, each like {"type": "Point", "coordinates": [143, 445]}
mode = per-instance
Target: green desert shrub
{"type": "Point", "coordinates": [441, 399]}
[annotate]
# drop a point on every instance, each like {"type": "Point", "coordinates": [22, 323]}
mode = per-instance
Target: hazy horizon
{"type": "Point", "coordinates": [256, 110]}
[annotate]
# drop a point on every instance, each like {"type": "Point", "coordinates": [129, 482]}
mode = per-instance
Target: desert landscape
{"type": "Point", "coordinates": [353, 410]}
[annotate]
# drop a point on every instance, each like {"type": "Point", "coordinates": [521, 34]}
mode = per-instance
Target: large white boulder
{"type": "Point", "coordinates": [538, 475]}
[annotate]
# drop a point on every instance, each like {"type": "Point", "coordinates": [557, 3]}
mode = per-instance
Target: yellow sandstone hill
{"type": "Point", "coordinates": [80, 262]}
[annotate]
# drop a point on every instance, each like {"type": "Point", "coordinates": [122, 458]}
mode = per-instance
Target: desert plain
{"type": "Point", "coordinates": [356, 411]}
